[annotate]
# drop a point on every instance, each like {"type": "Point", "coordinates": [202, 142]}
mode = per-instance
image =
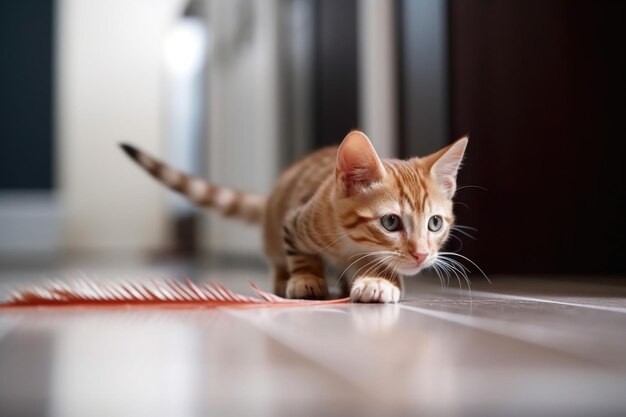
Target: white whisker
{"type": "Point", "coordinates": [361, 256]}
{"type": "Point", "coordinates": [463, 232]}
{"type": "Point", "coordinates": [439, 272]}
{"type": "Point", "coordinates": [444, 266]}
{"type": "Point", "coordinates": [341, 236]}
{"type": "Point", "coordinates": [461, 226]}
{"type": "Point", "coordinates": [445, 271]}
{"type": "Point", "coordinates": [472, 186]}
{"type": "Point", "coordinates": [458, 272]}
{"type": "Point", "coordinates": [462, 204]}
{"type": "Point", "coordinates": [467, 259]}
{"type": "Point", "coordinates": [458, 240]}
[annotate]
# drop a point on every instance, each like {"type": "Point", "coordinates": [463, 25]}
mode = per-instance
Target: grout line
{"type": "Point", "coordinates": [527, 333]}
{"type": "Point", "coordinates": [289, 341]}
{"type": "Point", "coordinates": [611, 309]}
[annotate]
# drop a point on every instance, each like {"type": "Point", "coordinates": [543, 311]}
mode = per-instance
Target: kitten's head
{"type": "Point", "coordinates": [401, 209]}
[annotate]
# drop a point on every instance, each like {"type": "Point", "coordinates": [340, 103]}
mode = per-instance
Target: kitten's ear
{"type": "Point", "coordinates": [357, 162]}
{"type": "Point", "coordinates": [446, 163]}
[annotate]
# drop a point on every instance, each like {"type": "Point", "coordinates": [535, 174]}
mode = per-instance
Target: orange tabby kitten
{"type": "Point", "coordinates": [344, 208]}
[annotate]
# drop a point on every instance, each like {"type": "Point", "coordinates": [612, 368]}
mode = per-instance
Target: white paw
{"type": "Point", "coordinates": [374, 290]}
{"type": "Point", "coordinates": [307, 286]}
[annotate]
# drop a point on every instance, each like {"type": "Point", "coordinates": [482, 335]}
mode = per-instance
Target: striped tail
{"type": "Point", "coordinates": [230, 203]}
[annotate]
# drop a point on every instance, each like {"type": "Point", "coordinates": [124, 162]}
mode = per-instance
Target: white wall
{"type": "Point", "coordinates": [377, 81]}
{"type": "Point", "coordinates": [243, 110]}
{"type": "Point", "coordinates": [109, 88]}
{"type": "Point", "coordinates": [30, 224]}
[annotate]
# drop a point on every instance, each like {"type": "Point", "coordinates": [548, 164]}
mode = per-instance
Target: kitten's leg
{"type": "Point", "coordinates": [306, 269]}
{"type": "Point", "coordinates": [281, 276]}
{"type": "Point", "coordinates": [307, 277]}
{"type": "Point", "coordinates": [344, 287]}
{"type": "Point", "coordinates": [369, 289]}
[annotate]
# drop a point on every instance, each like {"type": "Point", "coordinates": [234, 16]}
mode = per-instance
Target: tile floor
{"type": "Point", "coordinates": [517, 347]}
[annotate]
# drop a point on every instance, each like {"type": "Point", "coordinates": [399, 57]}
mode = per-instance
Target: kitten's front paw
{"type": "Point", "coordinates": [307, 286]}
{"type": "Point", "coordinates": [374, 290]}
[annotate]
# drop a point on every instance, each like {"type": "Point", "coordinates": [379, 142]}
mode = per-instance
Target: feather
{"type": "Point", "coordinates": [168, 293]}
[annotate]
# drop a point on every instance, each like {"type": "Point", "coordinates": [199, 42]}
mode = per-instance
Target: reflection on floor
{"type": "Point", "coordinates": [515, 347]}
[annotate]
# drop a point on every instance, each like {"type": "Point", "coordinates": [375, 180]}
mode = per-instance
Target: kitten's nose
{"type": "Point", "coordinates": [420, 255]}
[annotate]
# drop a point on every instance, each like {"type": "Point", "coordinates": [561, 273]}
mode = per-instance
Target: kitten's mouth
{"type": "Point", "coordinates": [412, 269]}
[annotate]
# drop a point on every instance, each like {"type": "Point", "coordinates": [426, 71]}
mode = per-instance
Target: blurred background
{"type": "Point", "coordinates": [235, 90]}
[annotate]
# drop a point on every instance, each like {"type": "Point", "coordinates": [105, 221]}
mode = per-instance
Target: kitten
{"type": "Point", "coordinates": [343, 208]}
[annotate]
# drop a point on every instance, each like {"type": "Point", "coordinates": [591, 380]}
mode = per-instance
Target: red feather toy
{"type": "Point", "coordinates": [160, 294]}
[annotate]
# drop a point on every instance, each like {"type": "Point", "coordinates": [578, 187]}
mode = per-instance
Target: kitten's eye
{"type": "Point", "coordinates": [391, 222]}
{"type": "Point", "coordinates": [435, 223]}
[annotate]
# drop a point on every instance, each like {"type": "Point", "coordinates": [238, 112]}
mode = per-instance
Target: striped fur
{"type": "Point", "coordinates": [230, 203]}
{"type": "Point", "coordinates": [325, 211]}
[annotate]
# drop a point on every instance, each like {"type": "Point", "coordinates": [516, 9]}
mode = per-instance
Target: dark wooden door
{"type": "Point", "coordinates": [540, 87]}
